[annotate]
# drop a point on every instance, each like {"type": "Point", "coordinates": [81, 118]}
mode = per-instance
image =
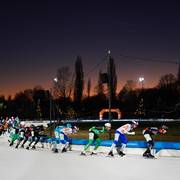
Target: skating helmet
{"type": "Point", "coordinates": [75, 128]}
{"type": "Point", "coordinates": [107, 125]}
{"type": "Point", "coordinates": [68, 125]}
{"type": "Point", "coordinates": [135, 122]}
{"type": "Point", "coordinates": [163, 129]}
{"type": "Point", "coordinates": [22, 124]}
{"type": "Point", "coordinates": [32, 126]}
{"type": "Point", "coordinates": [45, 125]}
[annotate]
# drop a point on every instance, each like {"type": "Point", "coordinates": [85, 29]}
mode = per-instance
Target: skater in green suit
{"type": "Point", "coordinates": [14, 135]}
{"type": "Point", "coordinates": [94, 133]}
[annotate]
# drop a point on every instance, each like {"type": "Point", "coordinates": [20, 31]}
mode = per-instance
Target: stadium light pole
{"type": "Point", "coordinates": [141, 103]}
{"type": "Point", "coordinates": [55, 80]}
{"type": "Point", "coordinates": [141, 80]}
{"type": "Point", "coordinates": [109, 89]}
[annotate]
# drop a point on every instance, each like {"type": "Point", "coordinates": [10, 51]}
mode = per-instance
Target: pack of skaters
{"type": "Point", "coordinates": [148, 135]}
{"type": "Point", "coordinates": [94, 138]}
{"type": "Point", "coordinates": [62, 137]}
{"type": "Point", "coordinates": [120, 140]}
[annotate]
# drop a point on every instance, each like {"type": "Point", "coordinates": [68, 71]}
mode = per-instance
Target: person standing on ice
{"type": "Point", "coordinates": [121, 139]}
{"type": "Point", "coordinates": [148, 133]}
{"type": "Point", "coordinates": [62, 135]}
{"type": "Point", "coordinates": [94, 133]}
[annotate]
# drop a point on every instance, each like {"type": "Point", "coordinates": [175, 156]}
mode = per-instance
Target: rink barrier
{"type": "Point", "coordinates": [134, 144]}
{"type": "Point", "coordinates": [131, 144]}
{"type": "Point", "coordinates": [98, 120]}
{"type": "Point", "coordinates": [161, 149]}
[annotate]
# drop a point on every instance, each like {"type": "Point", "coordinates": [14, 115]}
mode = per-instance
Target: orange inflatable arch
{"type": "Point", "coordinates": [107, 110]}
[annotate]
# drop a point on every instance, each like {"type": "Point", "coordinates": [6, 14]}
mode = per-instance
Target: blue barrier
{"type": "Point", "coordinates": [131, 144]}
{"type": "Point", "coordinates": [134, 144]}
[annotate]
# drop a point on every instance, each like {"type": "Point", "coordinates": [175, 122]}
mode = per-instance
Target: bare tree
{"type": "Point", "coordinates": [167, 80]}
{"type": "Point", "coordinates": [63, 85]}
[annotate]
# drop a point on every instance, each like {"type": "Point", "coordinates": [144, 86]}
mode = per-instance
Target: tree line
{"type": "Point", "coordinates": [71, 97]}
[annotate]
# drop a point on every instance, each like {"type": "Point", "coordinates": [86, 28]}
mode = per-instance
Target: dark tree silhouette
{"type": "Point", "coordinates": [24, 106]}
{"type": "Point", "coordinates": [79, 80]}
{"type": "Point", "coordinates": [88, 87]}
{"type": "Point", "coordinates": [100, 87]}
{"type": "Point", "coordinates": [112, 77]}
{"type": "Point", "coordinates": [62, 87]}
{"type": "Point", "coordinates": [167, 81]}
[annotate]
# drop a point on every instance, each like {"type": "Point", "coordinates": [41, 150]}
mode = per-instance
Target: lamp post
{"type": "Point", "coordinates": [140, 110]}
{"type": "Point", "coordinates": [109, 89]}
{"type": "Point", "coordinates": [55, 80]}
{"type": "Point", "coordinates": [50, 105]}
{"type": "Point", "coordinates": [141, 80]}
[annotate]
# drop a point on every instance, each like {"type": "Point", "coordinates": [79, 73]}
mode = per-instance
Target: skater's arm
{"type": "Point", "coordinates": [97, 130]}
{"type": "Point", "coordinates": [130, 133]}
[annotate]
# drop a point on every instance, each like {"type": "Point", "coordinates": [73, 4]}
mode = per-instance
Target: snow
{"type": "Point", "coordinates": [42, 164]}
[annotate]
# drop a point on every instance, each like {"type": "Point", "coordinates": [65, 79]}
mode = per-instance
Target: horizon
{"type": "Point", "coordinates": [48, 85]}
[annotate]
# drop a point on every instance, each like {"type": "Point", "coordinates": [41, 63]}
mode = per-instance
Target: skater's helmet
{"type": "Point", "coordinates": [75, 128]}
{"type": "Point", "coordinates": [32, 126]}
{"type": "Point", "coordinates": [163, 129]}
{"type": "Point", "coordinates": [45, 125]}
{"type": "Point", "coordinates": [22, 124]}
{"type": "Point", "coordinates": [68, 125]}
{"type": "Point", "coordinates": [134, 123]}
{"type": "Point", "coordinates": [107, 125]}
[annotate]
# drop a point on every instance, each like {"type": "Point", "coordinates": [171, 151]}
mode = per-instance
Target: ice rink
{"type": "Point", "coordinates": [42, 164]}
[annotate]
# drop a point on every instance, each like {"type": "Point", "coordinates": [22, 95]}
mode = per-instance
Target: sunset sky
{"type": "Point", "coordinates": [38, 37]}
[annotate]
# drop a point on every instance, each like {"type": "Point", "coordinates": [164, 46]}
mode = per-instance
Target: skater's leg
{"type": "Point", "coordinates": [37, 138]}
{"type": "Point", "coordinates": [115, 143]}
{"type": "Point", "coordinates": [123, 144]}
{"type": "Point", "coordinates": [32, 139]}
{"type": "Point", "coordinates": [19, 141]}
{"type": "Point", "coordinates": [97, 144]}
{"type": "Point", "coordinates": [150, 144]}
{"type": "Point", "coordinates": [90, 142]}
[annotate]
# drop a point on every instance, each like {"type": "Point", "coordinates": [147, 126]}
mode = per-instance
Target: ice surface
{"type": "Point", "coordinates": [42, 164]}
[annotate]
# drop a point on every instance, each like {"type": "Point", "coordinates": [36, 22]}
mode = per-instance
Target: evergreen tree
{"type": "Point", "coordinates": [100, 88]}
{"type": "Point", "coordinates": [79, 80]}
{"type": "Point", "coordinates": [112, 77]}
